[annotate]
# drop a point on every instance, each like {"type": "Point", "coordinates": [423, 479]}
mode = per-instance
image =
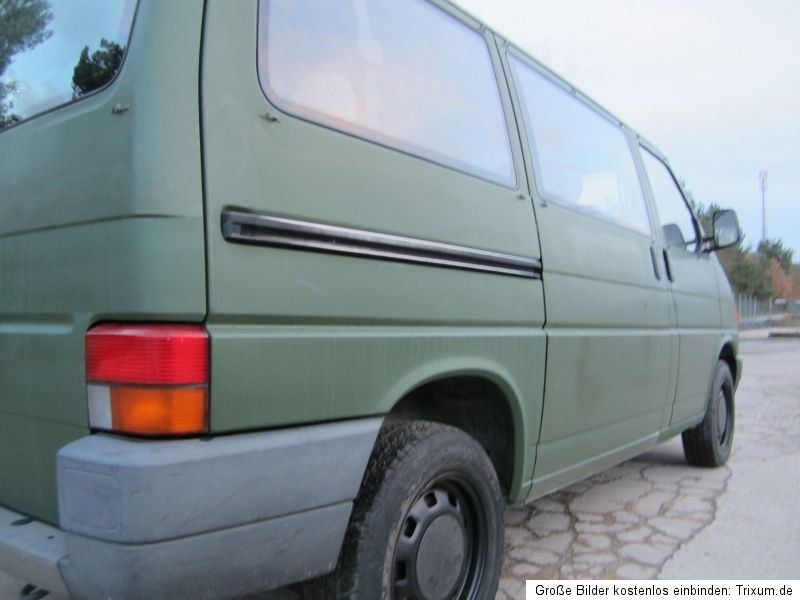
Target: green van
{"type": "Point", "coordinates": [296, 290]}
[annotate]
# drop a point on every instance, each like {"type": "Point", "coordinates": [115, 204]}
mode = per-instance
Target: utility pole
{"type": "Point", "coordinates": [762, 178]}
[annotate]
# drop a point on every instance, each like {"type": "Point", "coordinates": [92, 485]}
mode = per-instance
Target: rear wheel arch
{"type": "Point", "coordinates": [428, 521]}
{"type": "Point", "coordinates": [479, 405]}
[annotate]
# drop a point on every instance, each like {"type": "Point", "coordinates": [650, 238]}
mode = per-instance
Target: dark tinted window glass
{"type": "Point", "coordinates": [55, 51]}
{"type": "Point", "coordinates": [404, 74]}
{"type": "Point", "coordinates": [582, 159]}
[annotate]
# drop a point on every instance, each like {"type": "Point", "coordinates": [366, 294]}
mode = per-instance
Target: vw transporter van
{"type": "Point", "coordinates": [303, 291]}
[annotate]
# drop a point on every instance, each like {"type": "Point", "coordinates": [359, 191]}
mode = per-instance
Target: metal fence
{"type": "Point", "coordinates": [754, 311]}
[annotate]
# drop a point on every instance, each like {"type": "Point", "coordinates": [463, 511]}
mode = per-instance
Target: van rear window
{"type": "Point", "coordinates": [404, 74]}
{"type": "Point", "coordinates": [53, 52]}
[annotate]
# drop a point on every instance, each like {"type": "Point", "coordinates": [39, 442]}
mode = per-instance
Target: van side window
{"type": "Point", "coordinates": [677, 223]}
{"type": "Point", "coordinates": [57, 51]}
{"type": "Point", "coordinates": [403, 74]}
{"type": "Point", "coordinates": [581, 159]}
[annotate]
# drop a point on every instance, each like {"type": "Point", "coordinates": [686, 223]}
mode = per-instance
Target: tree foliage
{"type": "Point", "coordinates": [767, 272]}
{"type": "Point", "coordinates": [7, 90]}
{"type": "Point", "coordinates": [23, 25]}
{"type": "Point", "coordinates": [94, 71]}
{"type": "Point", "coordinates": [782, 284]}
{"type": "Point", "coordinates": [775, 249]}
{"type": "Point", "coordinates": [794, 273]}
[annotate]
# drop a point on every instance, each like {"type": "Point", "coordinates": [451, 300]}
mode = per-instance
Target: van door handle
{"type": "Point", "coordinates": [667, 265]}
{"type": "Point", "coordinates": [656, 268]}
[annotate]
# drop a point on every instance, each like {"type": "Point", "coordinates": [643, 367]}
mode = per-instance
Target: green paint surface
{"type": "Point", "coordinates": [116, 217]}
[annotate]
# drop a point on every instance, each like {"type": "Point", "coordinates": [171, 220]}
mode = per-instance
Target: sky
{"type": "Point", "coordinates": [714, 84]}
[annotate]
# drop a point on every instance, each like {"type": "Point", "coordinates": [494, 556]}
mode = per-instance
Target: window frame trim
{"type": "Point", "coordinates": [511, 52]}
{"type": "Point", "coordinates": [93, 93]}
{"type": "Point", "coordinates": [505, 103]}
{"type": "Point", "coordinates": [644, 146]}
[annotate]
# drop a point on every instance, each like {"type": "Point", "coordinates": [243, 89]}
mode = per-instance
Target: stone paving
{"type": "Point", "coordinates": [623, 523]}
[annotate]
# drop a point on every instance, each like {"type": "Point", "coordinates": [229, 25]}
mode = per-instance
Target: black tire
{"type": "Point", "coordinates": [428, 522]}
{"type": "Point", "coordinates": [709, 443]}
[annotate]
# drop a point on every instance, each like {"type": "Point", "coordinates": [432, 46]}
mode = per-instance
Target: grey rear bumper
{"type": "Point", "coordinates": [223, 517]}
{"type": "Point", "coordinates": [30, 551]}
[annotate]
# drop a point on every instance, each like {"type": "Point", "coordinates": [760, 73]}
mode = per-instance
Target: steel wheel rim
{"type": "Point", "coordinates": [445, 499]}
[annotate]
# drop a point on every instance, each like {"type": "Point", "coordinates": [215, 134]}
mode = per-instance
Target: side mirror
{"type": "Point", "coordinates": [726, 230]}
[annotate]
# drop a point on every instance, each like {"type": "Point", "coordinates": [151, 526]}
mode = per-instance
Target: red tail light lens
{"type": "Point", "coordinates": [147, 354]}
{"type": "Point", "coordinates": [148, 379]}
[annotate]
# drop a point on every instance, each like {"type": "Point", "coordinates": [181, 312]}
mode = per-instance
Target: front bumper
{"type": "Point", "coordinates": [223, 517]}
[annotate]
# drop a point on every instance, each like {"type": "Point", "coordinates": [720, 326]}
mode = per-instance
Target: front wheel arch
{"type": "Point", "coordinates": [709, 443]}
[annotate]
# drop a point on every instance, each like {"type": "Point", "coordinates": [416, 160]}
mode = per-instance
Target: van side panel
{"type": "Point", "coordinates": [610, 345]}
{"type": "Point", "coordinates": [300, 335]}
{"type": "Point", "coordinates": [609, 352]}
{"type": "Point", "coordinates": [101, 218]}
{"type": "Point", "coordinates": [695, 289]}
{"type": "Point", "coordinates": [696, 293]}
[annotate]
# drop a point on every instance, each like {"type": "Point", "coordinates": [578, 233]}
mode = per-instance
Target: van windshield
{"type": "Point", "coordinates": [53, 52]}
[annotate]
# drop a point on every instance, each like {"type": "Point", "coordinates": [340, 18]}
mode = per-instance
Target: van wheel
{"type": "Point", "coordinates": [428, 522]}
{"type": "Point", "coordinates": [709, 443]}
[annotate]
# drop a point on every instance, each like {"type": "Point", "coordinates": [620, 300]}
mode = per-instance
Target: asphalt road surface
{"type": "Point", "coordinates": [656, 517]}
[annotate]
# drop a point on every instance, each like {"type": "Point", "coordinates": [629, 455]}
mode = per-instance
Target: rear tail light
{"type": "Point", "coordinates": [148, 379]}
